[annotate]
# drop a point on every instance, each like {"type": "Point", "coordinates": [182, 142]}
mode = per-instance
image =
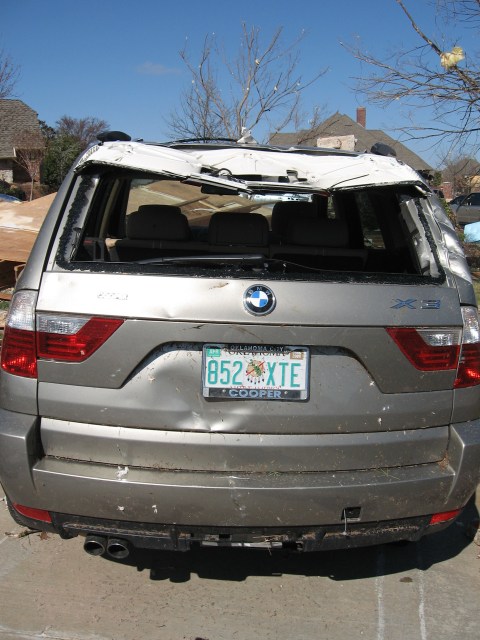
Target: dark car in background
{"type": "Point", "coordinates": [456, 200]}
{"type": "Point", "coordinates": [468, 209]}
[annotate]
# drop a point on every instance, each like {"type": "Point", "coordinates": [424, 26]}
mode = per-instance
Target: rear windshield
{"type": "Point", "coordinates": [133, 222]}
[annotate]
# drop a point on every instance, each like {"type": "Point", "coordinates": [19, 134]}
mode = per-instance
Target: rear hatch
{"type": "Point", "coordinates": [276, 327]}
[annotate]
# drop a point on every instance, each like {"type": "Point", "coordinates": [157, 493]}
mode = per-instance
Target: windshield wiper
{"type": "Point", "coordinates": [234, 258]}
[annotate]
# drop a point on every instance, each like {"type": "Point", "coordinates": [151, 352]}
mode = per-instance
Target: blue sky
{"type": "Point", "coordinates": [119, 59]}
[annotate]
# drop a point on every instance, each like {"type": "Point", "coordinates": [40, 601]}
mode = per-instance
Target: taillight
{"type": "Point", "coordinates": [428, 350]}
{"type": "Point", "coordinates": [49, 336]}
{"type": "Point", "coordinates": [72, 338]}
{"type": "Point", "coordinates": [18, 347]}
{"type": "Point", "coordinates": [468, 374]}
{"type": "Point", "coordinates": [444, 349]}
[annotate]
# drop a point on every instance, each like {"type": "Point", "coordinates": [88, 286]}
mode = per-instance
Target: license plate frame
{"type": "Point", "coordinates": [255, 372]}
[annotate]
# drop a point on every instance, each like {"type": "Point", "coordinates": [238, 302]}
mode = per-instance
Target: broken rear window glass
{"type": "Point", "coordinates": [143, 221]}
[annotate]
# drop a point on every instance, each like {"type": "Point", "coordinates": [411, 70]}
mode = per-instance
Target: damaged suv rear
{"type": "Point", "coordinates": [226, 344]}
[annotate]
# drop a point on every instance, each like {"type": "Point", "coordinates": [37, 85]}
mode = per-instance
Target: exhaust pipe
{"type": "Point", "coordinates": [95, 545]}
{"type": "Point", "coordinates": [117, 548]}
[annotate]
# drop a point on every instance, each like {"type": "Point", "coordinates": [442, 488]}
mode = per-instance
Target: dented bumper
{"type": "Point", "coordinates": [82, 494]}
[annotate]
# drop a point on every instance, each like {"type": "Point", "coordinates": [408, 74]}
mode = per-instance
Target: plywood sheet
{"type": "Point", "coordinates": [19, 226]}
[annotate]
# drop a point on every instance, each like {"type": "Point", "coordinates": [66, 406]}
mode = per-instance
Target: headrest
{"type": "Point", "coordinates": [249, 229]}
{"type": "Point", "coordinates": [283, 212]}
{"type": "Point", "coordinates": [320, 232]}
{"type": "Point", "coordinates": [157, 222]}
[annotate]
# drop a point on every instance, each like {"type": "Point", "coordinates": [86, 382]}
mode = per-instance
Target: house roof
{"type": "Point", "coordinates": [341, 125]}
{"type": "Point", "coordinates": [15, 118]}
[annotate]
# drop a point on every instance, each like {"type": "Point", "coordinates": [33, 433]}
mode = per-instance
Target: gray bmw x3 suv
{"type": "Point", "coordinates": [226, 344]}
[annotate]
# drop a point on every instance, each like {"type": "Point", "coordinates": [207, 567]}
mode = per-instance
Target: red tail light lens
{"type": "Point", "coordinates": [72, 339]}
{"type": "Point", "coordinates": [443, 349]}
{"type": "Point", "coordinates": [18, 349]}
{"type": "Point", "coordinates": [468, 374]}
{"type": "Point", "coordinates": [428, 350]}
{"type": "Point", "coordinates": [18, 352]}
{"type": "Point", "coordinates": [469, 369]}
{"type": "Point", "coordinates": [49, 336]}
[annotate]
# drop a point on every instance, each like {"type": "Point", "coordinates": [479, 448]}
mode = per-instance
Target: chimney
{"type": "Point", "coordinates": [362, 116]}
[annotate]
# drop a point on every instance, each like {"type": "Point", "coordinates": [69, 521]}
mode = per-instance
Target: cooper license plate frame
{"type": "Point", "coordinates": [255, 372]}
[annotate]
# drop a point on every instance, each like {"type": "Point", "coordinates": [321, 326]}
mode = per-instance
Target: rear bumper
{"type": "Point", "coordinates": [242, 501]}
{"type": "Point", "coordinates": [184, 538]}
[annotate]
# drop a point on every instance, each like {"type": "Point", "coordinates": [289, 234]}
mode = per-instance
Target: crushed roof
{"type": "Point", "coordinates": [322, 170]}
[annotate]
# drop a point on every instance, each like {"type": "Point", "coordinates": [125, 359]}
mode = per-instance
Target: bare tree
{"type": "Point", "coordinates": [307, 135]}
{"type": "Point", "coordinates": [199, 115]}
{"type": "Point", "coordinates": [9, 73]}
{"type": "Point", "coordinates": [84, 130]}
{"type": "Point", "coordinates": [445, 78]}
{"type": "Point", "coordinates": [459, 171]}
{"type": "Point", "coordinates": [262, 84]}
{"type": "Point", "coordinates": [29, 152]}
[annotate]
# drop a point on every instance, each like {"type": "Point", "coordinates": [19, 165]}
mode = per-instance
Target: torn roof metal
{"type": "Point", "coordinates": [323, 171]}
{"type": "Point", "coordinates": [138, 155]}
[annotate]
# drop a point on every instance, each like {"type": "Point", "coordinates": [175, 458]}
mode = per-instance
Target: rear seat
{"type": "Point", "coordinates": [238, 233]}
{"type": "Point", "coordinates": [153, 230]}
{"type": "Point", "coordinates": [319, 242]}
{"type": "Point", "coordinates": [283, 213]}
{"type": "Point", "coordinates": [298, 235]}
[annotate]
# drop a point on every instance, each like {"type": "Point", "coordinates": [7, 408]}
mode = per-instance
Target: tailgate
{"type": "Point", "coordinates": [151, 372]}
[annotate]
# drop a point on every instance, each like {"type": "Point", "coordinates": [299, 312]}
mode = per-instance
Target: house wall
{"type": "Point", "coordinates": [10, 171]}
{"type": "Point", "coordinates": [15, 118]}
{"type": "Point", "coordinates": [6, 170]}
{"type": "Point", "coordinates": [447, 189]}
{"type": "Point", "coordinates": [20, 174]}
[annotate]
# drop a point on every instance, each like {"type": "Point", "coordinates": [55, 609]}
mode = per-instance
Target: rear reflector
{"type": "Point", "coordinates": [30, 512]}
{"type": "Point", "coordinates": [437, 518]}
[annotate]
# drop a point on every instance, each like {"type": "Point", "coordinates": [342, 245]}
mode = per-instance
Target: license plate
{"type": "Point", "coordinates": [255, 372]}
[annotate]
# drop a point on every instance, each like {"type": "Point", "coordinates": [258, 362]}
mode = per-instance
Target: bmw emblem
{"type": "Point", "coordinates": [259, 300]}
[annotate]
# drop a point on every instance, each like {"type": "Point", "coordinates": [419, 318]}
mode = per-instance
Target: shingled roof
{"type": "Point", "coordinates": [341, 125]}
{"type": "Point", "coordinates": [15, 118]}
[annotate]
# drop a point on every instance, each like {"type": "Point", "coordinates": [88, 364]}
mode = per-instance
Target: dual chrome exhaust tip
{"type": "Point", "coordinates": [114, 547]}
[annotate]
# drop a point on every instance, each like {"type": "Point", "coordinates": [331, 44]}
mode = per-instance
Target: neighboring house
{"type": "Point", "coordinates": [341, 132]}
{"type": "Point", "coordinates": [17, 121]}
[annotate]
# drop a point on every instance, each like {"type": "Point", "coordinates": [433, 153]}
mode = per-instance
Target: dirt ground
{"type": "Point", "coordinates": [51, 589]}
